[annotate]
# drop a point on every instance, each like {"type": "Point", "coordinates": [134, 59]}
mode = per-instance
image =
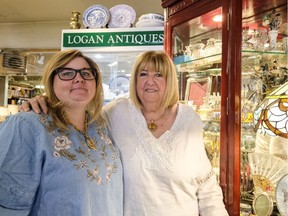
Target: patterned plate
{"type": "Point", "coordinates": [282, 195]}
{"type": "Point", "coordinates": [121, 16]}
{"type": "Point", "coordinates": [149, 23]}
{"type": "Point", "coordinates": [96, 16]}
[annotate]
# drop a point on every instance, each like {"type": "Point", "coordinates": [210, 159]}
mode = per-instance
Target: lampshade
{"type": "Point", "coordinates": [271, 116]}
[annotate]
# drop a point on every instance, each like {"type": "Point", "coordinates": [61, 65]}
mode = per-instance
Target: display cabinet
{"type": "Point", "coordinates": [198, 45]}
{"type": "Point", "coordinates": [227, 64]}
{"type": "Point", "coordinates": [198, 60]}
{"type": "Point", "coordinates": [264, 116]}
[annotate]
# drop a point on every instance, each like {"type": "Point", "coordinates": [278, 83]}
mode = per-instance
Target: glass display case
{"type": "Point", "coordinates": [264, 116]}
{"type": "Point", "coordinates": [196, 39]}
{"type": "Point", "coordinates": [197, 54]}
{"type": "Point", "coordinates": [234, 74]}
{"type": "Point", "coordinates": [115, 69]}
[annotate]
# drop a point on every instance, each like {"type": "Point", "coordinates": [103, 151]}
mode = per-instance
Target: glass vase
{"type": "Point", "coordinates": [273, 38]}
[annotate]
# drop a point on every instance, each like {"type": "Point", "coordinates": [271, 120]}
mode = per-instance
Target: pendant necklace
{"type": "Point", "coordinates": [152, 126]}
{"type": "Point", "coordinates": [89, 142]}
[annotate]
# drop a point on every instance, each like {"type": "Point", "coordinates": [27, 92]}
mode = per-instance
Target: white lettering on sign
{"type": "Point", "coordinates": [85, 39]}
{"type": "Point", "coordinates": [114, 39]}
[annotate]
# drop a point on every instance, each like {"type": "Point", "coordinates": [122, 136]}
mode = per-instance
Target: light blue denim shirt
{"type": "Point", "coordinates": [44, 172]}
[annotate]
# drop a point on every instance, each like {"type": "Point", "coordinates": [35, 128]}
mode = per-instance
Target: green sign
{"type": "Point", "coordinates": [112, 39]}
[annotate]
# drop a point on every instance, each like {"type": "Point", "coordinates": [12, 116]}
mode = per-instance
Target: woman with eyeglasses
{"type": "Point", "coordinates": [63, 162]}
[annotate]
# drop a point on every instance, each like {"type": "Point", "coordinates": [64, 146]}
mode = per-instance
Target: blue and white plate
{"type": "Point", "coordinates": [121, 16]}
{"type": "Point", "coordinates": [96, 16]}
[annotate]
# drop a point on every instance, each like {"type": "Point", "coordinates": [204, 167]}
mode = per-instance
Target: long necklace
{"type": "Point", "coordinates": [89, 142]}
{"type": "Point", "coordinates": [152, 126]}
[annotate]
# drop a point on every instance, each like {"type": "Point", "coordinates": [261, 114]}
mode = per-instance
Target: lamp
{"type": "Point", "coordinates": [271, 116]}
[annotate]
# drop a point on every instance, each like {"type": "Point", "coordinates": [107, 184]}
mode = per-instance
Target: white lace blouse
{"type": "Point", "coordinates": [170, 175]}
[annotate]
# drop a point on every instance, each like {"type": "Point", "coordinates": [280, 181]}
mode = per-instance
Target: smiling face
{"type": "Point", "coordinates": [76, 92]}
{"type": "Point", "coordinates": [150, 87]}
{"type": "Point", "coordinates": [153, 80]}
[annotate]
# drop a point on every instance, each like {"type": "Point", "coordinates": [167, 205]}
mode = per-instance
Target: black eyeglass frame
{"type": "Point", "coordinates": [59, 70]}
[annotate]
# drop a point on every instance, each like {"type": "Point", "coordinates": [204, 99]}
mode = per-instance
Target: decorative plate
{"type": "Point", "coordinates": [96, 16]}
{"type": "Point", "coordinates": [149, 23]}
{"type": "Point", "coordinates": [263, 204]}
{"type": "Point", "coordinates": [282, 195]}
{"type": "Point", "coordinates": [121, 16]}
{"type": "Point", "coordinates": [152, 16]}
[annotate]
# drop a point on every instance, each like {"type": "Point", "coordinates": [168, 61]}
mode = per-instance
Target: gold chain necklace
{"type": "Point", "coordinates": [152, 126]}
{"type": "Point", "coordinates": [89, 142]}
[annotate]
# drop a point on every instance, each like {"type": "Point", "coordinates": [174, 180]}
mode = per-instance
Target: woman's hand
{"type": "Point", "coordinates": [37, 104]}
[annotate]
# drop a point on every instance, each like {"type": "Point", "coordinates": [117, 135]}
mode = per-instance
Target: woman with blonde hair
{"type": "Point", "coordinates": [166, 169]}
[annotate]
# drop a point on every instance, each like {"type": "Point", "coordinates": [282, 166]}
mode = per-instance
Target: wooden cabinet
{"type": "Point", "coordinates": [217, 61]}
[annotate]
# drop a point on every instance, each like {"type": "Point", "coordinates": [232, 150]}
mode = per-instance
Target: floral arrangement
{"type": "Point", "coordinates": [272, 20]}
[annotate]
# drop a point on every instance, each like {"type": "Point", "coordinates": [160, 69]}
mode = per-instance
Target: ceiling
{"type": "Point", "coordinates": [18, 11]}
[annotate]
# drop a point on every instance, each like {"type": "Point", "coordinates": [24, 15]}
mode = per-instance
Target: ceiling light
{"type": "Point", "coordinates": [217, 18]}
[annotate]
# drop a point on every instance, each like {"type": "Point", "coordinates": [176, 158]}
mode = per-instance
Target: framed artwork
{"type": "Point", "coordinates": [197, 89]}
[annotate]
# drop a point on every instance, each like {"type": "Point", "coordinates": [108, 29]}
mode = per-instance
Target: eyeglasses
{"type": "Point", "coordinates": [70, 73]}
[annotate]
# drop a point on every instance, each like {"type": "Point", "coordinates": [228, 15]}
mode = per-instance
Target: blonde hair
{"type": "Point", "coordinates": [160, 62]}
{"type": "Point", "coordinates": [59, 60]}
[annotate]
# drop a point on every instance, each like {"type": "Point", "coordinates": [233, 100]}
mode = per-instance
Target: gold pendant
{"type": "Point", "coordinates": [90, 143]}
{"type": "Point", "coordinates": [152, 126]}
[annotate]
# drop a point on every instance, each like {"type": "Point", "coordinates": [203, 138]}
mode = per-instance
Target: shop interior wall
{"type": "Point", "coordinates": [32, 35]}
